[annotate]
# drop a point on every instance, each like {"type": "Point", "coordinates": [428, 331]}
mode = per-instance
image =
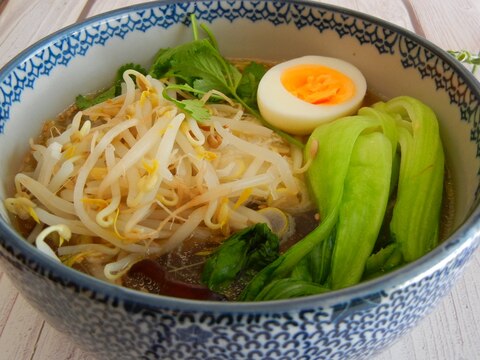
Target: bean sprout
{"type": "Point", "coordinates": [135, 177]}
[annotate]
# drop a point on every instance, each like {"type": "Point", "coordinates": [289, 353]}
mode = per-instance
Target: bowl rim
{"type": "Point", "coordinates": [464, 237]}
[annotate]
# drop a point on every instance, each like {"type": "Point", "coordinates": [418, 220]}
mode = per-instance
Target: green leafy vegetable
{"type": "Point", "coordinates": [248, 86]}
{"type": "Point", "coordinates": [416, 215]}
{"type": "Point", "coordinates": [315, 266]}
{"type": "Point", "coordinates": [289, 288]}
{"type": "Point", "coordinates": [354, 160]}
{"type": "Point", "coordinates": [466, 57]}
{"type": "Point", "coordinates": [195, 107]}
{"type": "Point", "coordinates": [200, 65]}
{"type": "Point", "coordinates": [282, 267]}
{"type": "Point", "coordinates": [119, 77]}
{"type": "Point", "coordinates": [83, 102]}
{"type": "Point", "coordinates": [246, 251]}
{"type": "Point", "coordinates": [383, 261]}
{"type": "Point", "coordinates": [326, 175]}
{"type": "Point", "coordinates": [360, 217]}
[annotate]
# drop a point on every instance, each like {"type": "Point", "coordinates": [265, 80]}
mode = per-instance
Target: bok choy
{"type": "Point", "coordinates": [353, 176]}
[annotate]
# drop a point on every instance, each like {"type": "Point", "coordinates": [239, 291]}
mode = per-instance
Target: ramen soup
{"type": "Point", "coordinates": [205, 179]}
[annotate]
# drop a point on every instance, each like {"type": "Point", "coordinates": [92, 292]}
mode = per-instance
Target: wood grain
{"type": "Point", "coordinates": [103, 6]}
{"type": "Point", "coordinates": [450, 24]}
{"type": "Point", "coordinates": [24, 331]}
{"type": "Point", "coordinates": [449, 333]}
{"type": "Point", "coordinates": [23, 22]}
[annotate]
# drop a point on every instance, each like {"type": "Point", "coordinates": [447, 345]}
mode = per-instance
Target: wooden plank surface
{"type": "Point", "coordinates": [23, 22]}
{"type": "Point", "coordinates": [99, 7]}
{"type": "Point", "coordinates": [450, 24]}
{"type": "Point", "coordinates": [450, 332]}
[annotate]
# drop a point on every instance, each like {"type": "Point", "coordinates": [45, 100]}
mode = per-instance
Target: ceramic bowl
{"type": "Point", "coordinates": [118, 323]}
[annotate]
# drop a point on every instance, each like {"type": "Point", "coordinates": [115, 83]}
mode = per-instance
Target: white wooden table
{"type": "Point", "coordinates": [451, 332]}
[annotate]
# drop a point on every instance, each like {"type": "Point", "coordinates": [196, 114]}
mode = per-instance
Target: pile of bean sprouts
{"type": "Point", "coordinates": [134, 177]}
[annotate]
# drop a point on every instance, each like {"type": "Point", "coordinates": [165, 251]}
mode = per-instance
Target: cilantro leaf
{"type": "Point", "coordinates": [200, 65]}
{"type": "Point", "coordinates": [247, 88]}
{"type": "Point", "coordinates": [119, 77]}
{"type": "Point", "coordinates": [205, 63]}
{"type": "Point", "coordinates": [194, 107]}
{"type": "Point", "coordinates": [162, 62]}
{"type": "Point", "coordinates": [85, 101]}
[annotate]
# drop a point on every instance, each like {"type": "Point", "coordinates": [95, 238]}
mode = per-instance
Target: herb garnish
{"type": "Point", "coordinates": [242, 254]}
{"type": "Point", "coordinates": [83, 102]}
{"type": "Point", "coordinates": [198, 68]}
{"type": "Point", "coordinates": [200, 65]}
{"type": "Point", "coordinates": [466, 57]}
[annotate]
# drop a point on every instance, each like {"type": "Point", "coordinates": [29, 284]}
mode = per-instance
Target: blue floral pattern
{"type": "Point", "coordinates": [113, 329]}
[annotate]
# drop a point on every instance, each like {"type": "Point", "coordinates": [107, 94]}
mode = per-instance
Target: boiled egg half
{"type": "Point", "coordinates": [298, 95]}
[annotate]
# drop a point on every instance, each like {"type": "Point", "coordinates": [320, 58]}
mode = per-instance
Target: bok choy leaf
{"type": "Point", "coordinates": [391, 152]}
{"type": "Point", "coordinates": [246, 251]}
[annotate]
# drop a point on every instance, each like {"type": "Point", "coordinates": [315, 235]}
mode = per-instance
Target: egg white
{"type": "Point", "coordinates": [287, 112]}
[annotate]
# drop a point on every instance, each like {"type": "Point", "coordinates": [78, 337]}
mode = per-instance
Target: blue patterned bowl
{"type": "Point", "coordinates": [118, 323]}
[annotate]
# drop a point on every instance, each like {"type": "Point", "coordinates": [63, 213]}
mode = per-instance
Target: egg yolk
{"type": "Point", "coordinates": [318, 84]}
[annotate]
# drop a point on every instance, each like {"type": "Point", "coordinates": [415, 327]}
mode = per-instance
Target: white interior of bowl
{"type": "Point", "coordinates": [245, 39]}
